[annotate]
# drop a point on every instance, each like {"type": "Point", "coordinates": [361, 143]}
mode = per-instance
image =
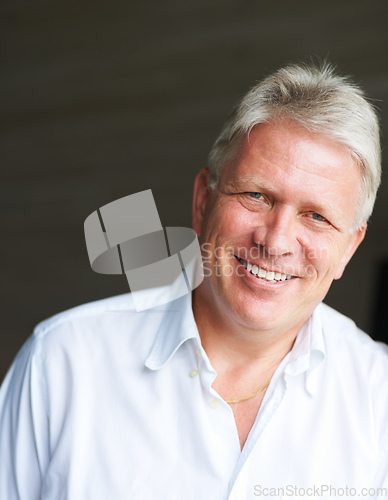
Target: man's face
{"type": "Point", "coordinates": [276, 230]}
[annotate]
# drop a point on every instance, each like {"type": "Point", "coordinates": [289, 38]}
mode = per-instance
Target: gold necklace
{"type": "Point", "coordinates": [235, 401]}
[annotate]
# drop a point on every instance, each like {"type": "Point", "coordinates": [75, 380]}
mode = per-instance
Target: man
{"type": "Point", "coordinates": [253, 388]}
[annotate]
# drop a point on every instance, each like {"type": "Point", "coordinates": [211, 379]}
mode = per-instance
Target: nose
{"type": "Point", "coordinates": [276, 233]}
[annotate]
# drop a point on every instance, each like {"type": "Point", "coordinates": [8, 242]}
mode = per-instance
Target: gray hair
{"type": "Point", "coordinates": [319, 100]}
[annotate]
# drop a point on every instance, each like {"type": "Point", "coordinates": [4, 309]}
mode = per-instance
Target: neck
{"type": "Point", "coordinates": [233, 347]}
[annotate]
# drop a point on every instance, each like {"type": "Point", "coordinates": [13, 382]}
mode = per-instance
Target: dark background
{"type": "Point", "coordinates": [104, 99]}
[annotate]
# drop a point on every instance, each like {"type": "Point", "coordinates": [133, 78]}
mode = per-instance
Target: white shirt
{"type": "Point", "coordinates": [104, 402]}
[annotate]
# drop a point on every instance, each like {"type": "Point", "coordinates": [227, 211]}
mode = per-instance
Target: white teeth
{"type": "Point", "coordinates": [271, 276]}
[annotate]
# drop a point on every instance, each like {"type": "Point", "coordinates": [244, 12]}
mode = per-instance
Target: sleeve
{"type": "Point", "coordinates": [23, 427]}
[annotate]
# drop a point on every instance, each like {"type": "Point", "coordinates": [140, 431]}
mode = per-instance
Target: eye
{"type": "Point", "coordinates": [318, 217]}
{"type": "Point", "coordinates": [256, 196]}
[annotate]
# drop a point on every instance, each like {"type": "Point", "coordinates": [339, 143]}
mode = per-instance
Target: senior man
{"type": "Point", "coordinates": [251, 387]}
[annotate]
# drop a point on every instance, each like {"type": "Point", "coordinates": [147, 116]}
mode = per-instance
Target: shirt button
{"type": "Point", "coordinates": [193, 373]}
{"type": "Point", "coordinates": [214, 403]}
{"type": "Point", "coordinates": [199, 352]}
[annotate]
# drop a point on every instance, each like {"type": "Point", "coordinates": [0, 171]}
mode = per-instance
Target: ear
{"type": "Point", "coordinates": [353, 243]}
{"type": "Point", "coordinates": [200, 199]}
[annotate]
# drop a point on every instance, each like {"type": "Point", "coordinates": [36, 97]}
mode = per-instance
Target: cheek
{"type": "Point", "coordinates": [227, 224]}
{"type": "Point", "coordinates": [239, 222]}
{"type": "Point", "coordinates": [323, 256]}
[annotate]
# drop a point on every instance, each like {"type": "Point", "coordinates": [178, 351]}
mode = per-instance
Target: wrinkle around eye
{"type": "Point", "coordinates": [256, 199]}
{"type": "Point", "coordinates": [253, 203]}
{"type": "Point", "coordinates": [319, 222]}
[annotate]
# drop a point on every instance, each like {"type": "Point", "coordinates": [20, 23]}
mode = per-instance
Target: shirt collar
{"type": "Point", "coordinates": [308, 351]}
{"type": "Point", "coordinates": [176, 326]}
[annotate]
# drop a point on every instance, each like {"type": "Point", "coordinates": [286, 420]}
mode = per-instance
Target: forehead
{"type": "Point", "coordinates": [293, 149]}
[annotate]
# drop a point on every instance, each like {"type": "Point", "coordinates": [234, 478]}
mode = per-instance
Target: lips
{"type": "Point", "coordinates": [259, 272]}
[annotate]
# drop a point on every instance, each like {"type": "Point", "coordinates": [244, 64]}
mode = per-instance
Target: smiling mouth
{"type": "Point", "coordinates": [258, 272]}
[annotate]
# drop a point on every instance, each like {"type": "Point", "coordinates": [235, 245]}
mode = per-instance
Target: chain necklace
{"type": "Point", "coordinates": [235, 401]}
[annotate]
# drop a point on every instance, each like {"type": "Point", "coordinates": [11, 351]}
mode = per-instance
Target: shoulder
{"type": "Point", "coordinates": [104, 329]}
{"type": "Point", "coordinates": [341, 331]}
{"type": "Point", "coordinates": [355, 358]}
{"type": "Point", "coordinates": [84, 313]}
{"type": "Point", "coordinates": [358, 368]}
{"type": "Point", "coordinates": [113, 314]}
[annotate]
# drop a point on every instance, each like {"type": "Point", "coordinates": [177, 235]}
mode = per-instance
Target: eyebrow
{"type": "Point", "coordinates": [241, 183]}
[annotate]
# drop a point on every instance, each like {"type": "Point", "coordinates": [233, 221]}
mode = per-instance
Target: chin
{"type": "Point", "coordinates": [256, 316]}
